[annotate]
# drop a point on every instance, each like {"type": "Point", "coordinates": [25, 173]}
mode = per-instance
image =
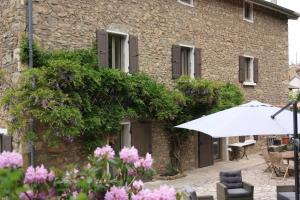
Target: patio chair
{"type": "Point", "coordinates": [231, 187]}
{"type": "Point", "coordinates": [285, 192]}
{"type": "Point", "coordinates": [190, 194]}
{"type": "Point", "coordinates": [266, 156]}
{"type": "Point", "coordinates": [278, 166]}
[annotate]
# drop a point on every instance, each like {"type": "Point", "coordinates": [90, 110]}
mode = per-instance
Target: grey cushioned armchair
{"type": "Point", "coordinates": [232, 187]}
{"type": "Point", "coordinates": [285, 192]}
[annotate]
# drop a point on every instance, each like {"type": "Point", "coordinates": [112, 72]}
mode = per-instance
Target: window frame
{"type": "Point", "coordinates": [125, 48]}
{"type": "Point", "coordinates": [251, 81]}
{"type": "Point", "coordinates": [251, 12]}
{"type": "Point", "coordinates": [191, 4]}
{"type": "Point", "coordinates": [191, 59]}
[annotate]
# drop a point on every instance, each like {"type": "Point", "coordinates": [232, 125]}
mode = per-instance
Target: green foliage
{"type": "Point", "coordinates": [11, 183]}
{"type": "Point", "coordinates": [73, 98]}
{"type": "Point", "coordinates": [202, 97]}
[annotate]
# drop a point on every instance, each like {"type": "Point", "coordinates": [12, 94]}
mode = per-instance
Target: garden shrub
{"type": "Point", "coordinates": [92, 182]}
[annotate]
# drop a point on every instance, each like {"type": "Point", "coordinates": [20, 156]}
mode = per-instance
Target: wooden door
{"type": "Point", "coordinates": [205, 150]}
{"type": "Point", "coordinates": [141, 137]}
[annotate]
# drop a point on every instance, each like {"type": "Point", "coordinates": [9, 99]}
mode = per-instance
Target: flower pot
{"type": "Point", "coordinates": [285, 140]}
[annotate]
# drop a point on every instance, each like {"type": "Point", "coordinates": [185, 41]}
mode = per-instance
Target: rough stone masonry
{"type": "Point", "coordinates": [215, 26]}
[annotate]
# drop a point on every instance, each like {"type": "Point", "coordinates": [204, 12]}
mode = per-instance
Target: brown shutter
{"type": "Point", "coordinates": [133, 54]}
{"type": "Point", "coordinates": [141, 137]}
{"type": "Point", "coordinates": [242, 68]}
{"type": "Point", "coordinates": [102, 47]}
{"type": "Point", "coordinates": [6, 143]}
{"type": "Point", "coordinates": [176, 61]}
{"type": "Point", "coordinates": [255, 70]}
{"type": "Point", "coordinates": [198, 62]}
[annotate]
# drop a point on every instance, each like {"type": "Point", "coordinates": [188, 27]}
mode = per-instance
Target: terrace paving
{"type": "Point", "coordinates": [204, 180]}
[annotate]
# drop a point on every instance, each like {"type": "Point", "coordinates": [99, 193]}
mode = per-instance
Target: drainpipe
{"type": "Point", "coordinates": [30, 65]}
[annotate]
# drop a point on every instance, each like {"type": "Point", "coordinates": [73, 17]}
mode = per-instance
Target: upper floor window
{"type": "Point", "coordinates": [186, 2]}
{"type": "Point", "coordinates": [186, 61]}
{"type": "Point", "coordinates": [248, 70]}
{"type": "Point", "coordinates": [248, 11]}
{"type": "Point", "coordinates": [117, 50]}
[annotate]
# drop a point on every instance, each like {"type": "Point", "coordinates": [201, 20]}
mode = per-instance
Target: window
{"type": "Point", "coordinates": [186, 2]}
{"type": "Point", "coordinates": [117, 50]}
{"type": "Point", "coordinates": [248, 70]}
{"type": "Point", "coordinates": [186, 60]}
{"type": "Point", "coordinates": [248, 11]}
{"type": "Point", "coordinates": [186, 64]}
{"type": "Point", "coordinates": [115, 47]}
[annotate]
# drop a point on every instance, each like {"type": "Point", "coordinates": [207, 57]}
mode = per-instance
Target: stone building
{"type": "Point", "coordinates": [243, 42]}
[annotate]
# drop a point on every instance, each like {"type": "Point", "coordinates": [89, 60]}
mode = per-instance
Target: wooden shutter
{"type": "Point", "coordinates": [176, 61]}
{"type": "Point", "coordinates": [133, 54]}
{"type": "Point", "coordinates": [255, 70]}
{"type": "Point", "coordinates": [198, 63]}
{"type": "Point", "coordinates": [102, 47]}
{"type": "Point", "coordinates": [6, 143]}
{"type": "Point", "coordinates": [242, 68]}
{"type": "Point", "coordinates": [141, 137]}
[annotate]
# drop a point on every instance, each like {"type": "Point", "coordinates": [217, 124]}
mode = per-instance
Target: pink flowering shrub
{"type": "Point", "coordinates": [10, 160]}
{"type": "Point", "coordinates": [105, 177]}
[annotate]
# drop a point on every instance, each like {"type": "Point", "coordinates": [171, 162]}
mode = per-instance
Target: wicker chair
{"type": "Point", "coordinates": [278, 166]}
{"type": "Point", "coordinates": [286, 192]}
{"type": "Point", "coordinates": [231, 187]}
{"type": "Point", "coordinates": [190, 194]}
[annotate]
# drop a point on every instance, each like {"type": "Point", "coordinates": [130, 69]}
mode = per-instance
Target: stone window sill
{"type": "Point", "coordinates": [249, 84]}
{"type": "Point", "coordinates": [249, 20]}
{"type": "Point", "coordinates": [186, 4]}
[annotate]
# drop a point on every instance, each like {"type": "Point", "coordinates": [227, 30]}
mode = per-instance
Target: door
{"type": "Point", "coordinates": [205, 150]}
{"type": "Point", "coordinates": [141, 137]}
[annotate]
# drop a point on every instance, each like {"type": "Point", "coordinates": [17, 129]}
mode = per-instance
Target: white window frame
{"type": "Point", "coordinates": [125, 44]}
{"type": "Point", "coordinates": [192, 59]}
{"type": "Point", "coordinates": [126, 133]}
{"type": "Point", "coordinates": [191, 4]}
{"type": "Point", "coordinates": [251, 81]}
{"type": "Point", "coordinates": [251, 12]}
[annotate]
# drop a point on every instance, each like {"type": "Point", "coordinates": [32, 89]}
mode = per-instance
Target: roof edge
{"type": "Point", "coordinates": [289, 13]}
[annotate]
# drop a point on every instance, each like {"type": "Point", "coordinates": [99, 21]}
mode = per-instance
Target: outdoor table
{"type": "Point", "coordinates": [241, 147]}
{"type": "Point", "coordinates": [288, 155]}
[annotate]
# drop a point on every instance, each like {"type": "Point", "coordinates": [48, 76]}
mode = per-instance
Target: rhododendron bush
{"type": "Point", "coordinates": [105, 177]}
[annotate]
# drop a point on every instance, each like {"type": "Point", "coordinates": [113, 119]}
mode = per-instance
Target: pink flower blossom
{"type": "Point", "coordinates": [30, 175]}
{"type": "Point", "coordinates": [41, 174]}
{"type": "Point", "coordinates": [147, 162]}
{"type": "Point", "coordinates": [163, 193]}
{"type": "Point", "coordinates": [138, 185]}
{"type": "Point", "coordinates": [38, 175]}
{"type": "Point", "coordinates": [104, 152]}
{"type": "Point", "coordinates": [144, 195]}
{"type": "Point", "coordinates": [10, 160]}
{"type": "Point", "coordinates": [129, 155]}
{"type": "Point", "coordinates": [51, 176]}
{"type": "Point", "coordinates": [116, 194]}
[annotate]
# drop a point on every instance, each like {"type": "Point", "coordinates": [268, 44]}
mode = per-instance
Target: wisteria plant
{"type": "Point", "coordinates": [105, 177]}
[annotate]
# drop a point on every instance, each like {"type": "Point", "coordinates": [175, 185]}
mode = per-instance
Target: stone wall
{"type": "Point", "coordinates": [215, 26]}
{"type": "Point", "coordinates": [12, 28]}
{"type": "Point", "coordinates": [160, 148]}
